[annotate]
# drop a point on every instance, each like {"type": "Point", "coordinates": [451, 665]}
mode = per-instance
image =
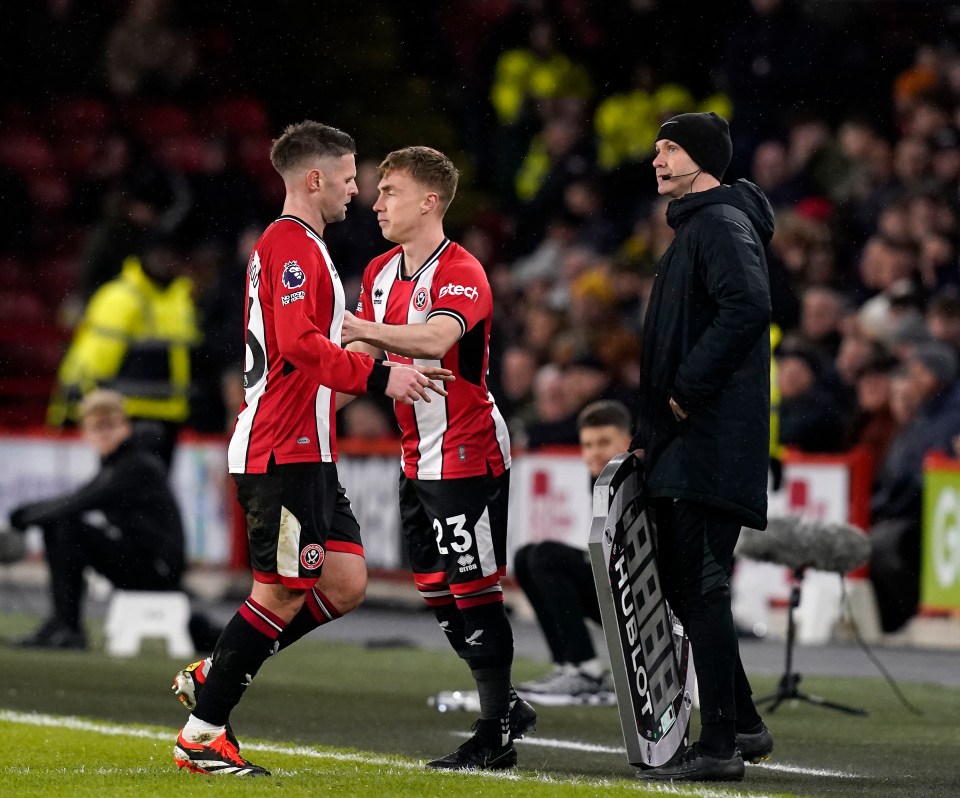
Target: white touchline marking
{"type": "Point", "coordinates": [116, 730]}
{"type": "Point", "coordinates": [837, 774]}
{"type": "Point", "coordinates": [569, 745]}
{"type": "Point", "coordinates": [573, 745]}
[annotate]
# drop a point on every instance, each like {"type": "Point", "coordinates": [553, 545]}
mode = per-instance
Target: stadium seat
{"type": "Point", "coordinates": [187, 154]}
{"type": "Point", "coordinates": [27, 154]}
{"type": "Point", "coordinates": [78, 117]}
{"type": "Point", "coordinates": [134, 616]}
{"type": "Point", "coordinates": [77, 154]}
{"type": "Point", "coordinates": [58, 276]}
{"type": "Point", "coordinates": [49, 192]}
{"type": "Point", "coordinates": [22, 308]}
{"type": "Point", "coordinates": [240, 116]}
{"type": "Point", "coordinates": [164, 120]}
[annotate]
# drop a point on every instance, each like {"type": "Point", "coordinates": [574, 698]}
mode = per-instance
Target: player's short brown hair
{"type": "Point", "coordinates": [309, 139]}
{"type": "Point", "coordinates": [429, 167]}
{"type": "Point", "coordinates": [102, 402]}
{"type": "Point", "coordinates": [605, 413]}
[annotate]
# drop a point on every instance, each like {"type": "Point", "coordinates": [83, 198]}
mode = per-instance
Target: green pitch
{"type": "Point", "coordinates": [347, 720]}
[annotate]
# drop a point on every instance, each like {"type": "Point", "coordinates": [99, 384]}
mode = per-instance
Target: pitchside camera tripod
{"type": "Point", "coordinates": [788, 689]}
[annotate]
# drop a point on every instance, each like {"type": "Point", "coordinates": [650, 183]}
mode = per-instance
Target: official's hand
{"type": "Point", "coordinates": [408, 384]}
{"type": "Point", "coordinates": [678, 412]}
{"type": "Point", "coordinates": [352, 328]}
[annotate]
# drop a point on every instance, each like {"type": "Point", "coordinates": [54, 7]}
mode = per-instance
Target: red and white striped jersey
{"type": "Point", "coordinates": [462, 434]}
{"type": "Point", "coordinates": [294, 364]}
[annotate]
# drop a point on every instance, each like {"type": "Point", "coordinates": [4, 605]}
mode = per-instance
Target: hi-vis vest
{"type": "Point", "coordinates": [135, 337]}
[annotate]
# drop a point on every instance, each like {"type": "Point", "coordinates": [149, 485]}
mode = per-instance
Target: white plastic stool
{"type": "Point", "coordinates": [133, 616]}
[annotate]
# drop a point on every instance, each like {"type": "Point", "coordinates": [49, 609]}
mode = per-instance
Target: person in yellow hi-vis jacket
{"type": "Point", "coordinates": [135, 337]}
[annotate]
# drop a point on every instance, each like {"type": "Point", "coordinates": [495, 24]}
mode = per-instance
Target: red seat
{"type": "Point", "coordinates": [76, 155]}
{"type": "Point", "coordinates": [187, 154]}
{"type": "Point", "coordinates": [16, 276]}
{"type": "Point", "coordinates": [49, 191]}
{"type": "Point", "coordinates": [80, 116]}
{"type": "Point", "coordinates": [23, 307]}
{"type": "Point", "coordinates": [165, 120]}
{"type": "Point", "coordinates": [254, 156]}
{"type": "Point", "coordinates": [58, 276]}
{"type": "Point", "coordinates": [27, 153]}
{"type": "Point", "coordinates": [240, 116]}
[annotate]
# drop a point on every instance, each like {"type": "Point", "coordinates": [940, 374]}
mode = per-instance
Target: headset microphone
{"type": "Point", "coordinates": [674, 177]}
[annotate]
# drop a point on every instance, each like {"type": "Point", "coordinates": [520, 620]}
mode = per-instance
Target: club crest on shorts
{"type": "Point", "coordinates": [420, 299]}
{"type": "Point", "coordinates": [293, 276]}
{"type": "Point", "coordinates": [312, 556]}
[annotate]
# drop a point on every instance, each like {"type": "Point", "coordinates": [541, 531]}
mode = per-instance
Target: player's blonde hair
{"type": "Point", "coordinates": [428, 167]}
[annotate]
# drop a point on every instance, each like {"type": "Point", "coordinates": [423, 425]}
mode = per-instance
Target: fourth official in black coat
{"type": "Point", "coordinates": [705, 423]}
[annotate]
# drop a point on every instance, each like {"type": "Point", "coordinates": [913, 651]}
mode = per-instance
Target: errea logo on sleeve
{"type": "Point", "coordinates": [468, 291]}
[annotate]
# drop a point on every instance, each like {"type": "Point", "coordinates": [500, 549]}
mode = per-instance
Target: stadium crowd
{"type": "Point", "coordinates": [149, 117]}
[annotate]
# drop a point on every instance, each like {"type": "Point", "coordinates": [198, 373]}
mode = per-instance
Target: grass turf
{"type": "Point", "coordinates": [338, 699]}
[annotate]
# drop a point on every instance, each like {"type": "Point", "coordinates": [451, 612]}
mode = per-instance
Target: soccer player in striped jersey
{"type": "Point", "coordinates": [427, 301]}
{"type": "Point", "coordinates": [305, 546]}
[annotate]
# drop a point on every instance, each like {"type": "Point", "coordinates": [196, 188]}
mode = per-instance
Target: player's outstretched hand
{"type": "Point", "coordinates": [408, 384]}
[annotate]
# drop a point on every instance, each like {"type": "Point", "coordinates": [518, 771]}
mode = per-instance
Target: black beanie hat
{"type": "Point", "coordinates": [706, 137]}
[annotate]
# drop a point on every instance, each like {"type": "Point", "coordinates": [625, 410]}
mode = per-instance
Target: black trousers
{"type": "Point", "coordinates": [695, 544]}
{"type": "Point", "coordinates": [558, 581]}
{"type": "Point", "coordinates": [73, 544]}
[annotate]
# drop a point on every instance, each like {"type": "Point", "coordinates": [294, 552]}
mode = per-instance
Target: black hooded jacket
{"type": "Point", "coordinates": [706, 344]}
{"type": "Point", "coordinates": [132, 492]}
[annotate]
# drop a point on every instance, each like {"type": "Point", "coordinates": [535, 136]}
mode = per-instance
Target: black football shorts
{"type": "Point", "coordinates": [296, 513]}
{"type": "Point", "coordinates": [456, 526]}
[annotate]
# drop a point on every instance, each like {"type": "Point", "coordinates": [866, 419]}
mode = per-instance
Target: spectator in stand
{"type": "Point", "coordinates": [771, 172]}
{"type": "Point", "coordinates": [773, 58]}
{"type": "Point", "coordinates": [541, 326]}
{"type": "Point", "coordinates": [856, 350]}
{"type": "Point", "coordinates": [873, 425]}
{"type": "Point", "coordinates": [926, 404]}
{"type": "Point", "coordinates": [886, 268]}
{"type": "Point", "coordinates": [224, 199]}
{"type": "Point", "coordinates": [556, 419]}
{"type": "Point", "coordinates": [943, 316]}
{"type": "Point", "coordinates": [557, 580]}
{"type": "Point", "coordinates": [145, 197]}
{"type": "Point", "coordinates": [366, 420]}
{"type": "Point", "coordinates": [588, 379]}
{"type": "Point", "coordinates": [821, 312]}
{"type": "Point", "coordinates": [518, 369]}
{"type": "Point", "coordinates": [945, 157]}
{"type": "Point", "coordinates": [559, 155]}
{"type": "Point", "coordinates": [136, 337]}
{"type": "Point", "coordinates": [531, 82]}
{"type": "Point", "coordinates": [908, 330]}
{"type": "Point", "coordinates": [146, 54]}
{"type": "Point", "coordinates": [811, 418]}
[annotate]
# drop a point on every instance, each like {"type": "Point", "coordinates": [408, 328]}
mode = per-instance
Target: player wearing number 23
{"type": "Point", "coordinates": [427, 301]}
